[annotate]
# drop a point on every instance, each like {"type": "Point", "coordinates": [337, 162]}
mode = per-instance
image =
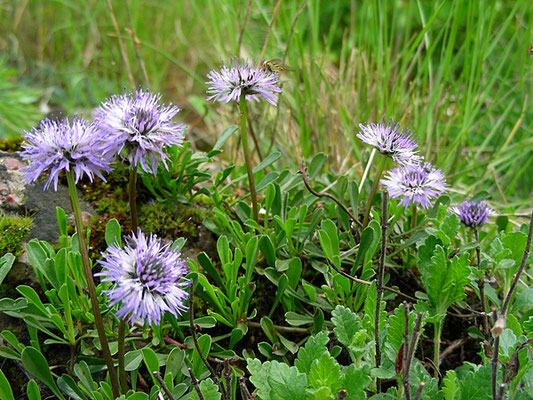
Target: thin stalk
{"type": "Point", "coordinates": [243, 109]}
{"type": "Point", "coordinates": [379, 283]}
{"type": "Point", "coordinates": [367, 169]}
{"type": "Point", "coordinates": [121, 352]}
{"type": "Point", "coordinates": [494, 367]}
{"type": "Point", "coordinates": [436, 348]}
{"type": "Point", "coordinates": [481, 285]}
{"type": "Point", "coordinates": [375, 184]}
{"type": "Point", "coordinates": [90, 283]}
{"type": "Point", "coordinates": [132, 197]}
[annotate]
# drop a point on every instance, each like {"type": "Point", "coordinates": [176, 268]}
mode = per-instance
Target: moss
{"type": "Point", "coordinates": [14, 230]}
{"type": "Point", "coordinates": [170, 220]}
{"type": "Point", "coordinates": [12, 144]}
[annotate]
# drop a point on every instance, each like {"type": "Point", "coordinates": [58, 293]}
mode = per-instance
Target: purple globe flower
{"type": "Point", "coordinates": [61, 145]}
{"type": "Point", "coordinates": [390, 141]}
{"type": "Point", "coordinates": [147, 279]}
{"type": "Point", "coordinates": [241, 79]}
{"type": "Point", "coordinates": [137, 126]}
{"type": "Point", "coordinates": [472, 214]}
{"type": "Point", "coordinates": [417, 183]}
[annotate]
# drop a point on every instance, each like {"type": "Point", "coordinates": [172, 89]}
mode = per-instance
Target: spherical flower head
{"type": "Point", "coordinates": [390, 141]}
{"type": "Point", "coordinates": [147, 279]}
{"type": "Point", "coordinates": [63, 145]}
{"type": "Point", "coordinates": [241, 79]}
{"type": "Point", "coordinates": [137, 126]}
{"type": "Point", "coordinates": [417, 183]}
{"type": "Point", "coordinates": [472, 214]}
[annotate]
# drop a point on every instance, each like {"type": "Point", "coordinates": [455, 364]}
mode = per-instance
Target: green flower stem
{"type": "Point", "coordinates": [414, 216]}
{"type": "Point", "coordinates": [121, 351]}
{"type": "Point", "coordinates": [132, 197]}
{"type": "Point", "coordinates": [436, 348]}
{"type": "Point", "coordinates": [90, 282]}
{"type": "Point", "coordinates": [375, 184]}
{"type": "Point", "coordinates": [243, 110]}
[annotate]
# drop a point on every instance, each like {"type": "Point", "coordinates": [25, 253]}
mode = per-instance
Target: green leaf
{"type": "Point", "coordinates": [267, 161]}
{"type": "Point", "coordinates": [35, 363]}
{"type": "Point", "coordinates": [356, 380]}
{"type": "Point", "coordinates": [32, 391]}
{"type": "Point", "coordinates": [6, 262]}
{"type": "Point", "coordinates": [277, 381]}
{"type": "Point", "coordinates": [224, 136]}
{"type": "Point", "coordinates": [82, 371]}
{"type": "Point", "coordinates": [267, 249]}
{"type": "Point", "coordinates": [150, 360]}
{"type": "Point", "coordinates": [133, 359]}
{"type": "Point", "coordinates": [174, 362]}
{"type": "Point", "coordinates": [62, 220]}
{"type": "Point", "coordinates": [113, 233]}
{"type": "Point", "coordinates": [325, 371]}
{"type": "Point", "coordinates": [5, 388]}
{"type": "Point", "coordinates": [68, 386]}
{"type": "Point", "coordinates": [364, 244]}
{"type": "Point", "coordinates": [449, 228]}
{"type": "Point", "coordinates": [346, 323]}
{"type": "Point", "coordinates": [209, 390]}
{"type": "Point", "coordinates": [316, 165]}
{"type": "Point", "coordinates": [443, 280]}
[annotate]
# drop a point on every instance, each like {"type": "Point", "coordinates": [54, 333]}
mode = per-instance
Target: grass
{"type": "Point", "coordinates": [456, 72]}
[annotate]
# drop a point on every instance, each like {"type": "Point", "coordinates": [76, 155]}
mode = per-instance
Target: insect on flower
{"type": "Point", "coordinates": [274, 66]}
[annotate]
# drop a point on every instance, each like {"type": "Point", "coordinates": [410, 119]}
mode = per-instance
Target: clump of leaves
{"type": "Point", "coordinates": [14, 230]}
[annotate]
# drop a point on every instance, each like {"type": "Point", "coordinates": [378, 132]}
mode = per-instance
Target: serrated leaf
{"type": "Point", "coordinates": [314, 348]}
{"type": "Point", "coordinates": [277, 381]}
{"type": "Point", "coordinates": [356, 380]}
{"type": "Point", "coordinates": [346, 323]}
{"type": "Point", "coordinates": [444, 281]}
{"type": "Point", "coordinates": [326, 371]}
{"type": "Point", "coordinates": [209, 390]}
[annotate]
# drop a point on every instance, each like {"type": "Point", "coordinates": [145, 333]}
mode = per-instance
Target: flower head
{"type": "Point", "coordinates": [417, 183]}
{"type": "Point", "coordinates": [390, 141]}
{"type": "Point", "coordinates": [63, 145]}
{"type": "Point", "coordinates": [147, 277]}
{"type": "Point", "coordinates": [241, 79]}
{"type": "Point", "coordinates": [137, 126]}
{"type": "Point", "coordinates": [472, 214]}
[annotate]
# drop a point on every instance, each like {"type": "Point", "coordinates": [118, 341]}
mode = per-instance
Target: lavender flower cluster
{"type": "Point", "coordinates": [147, 276]}
{"type": "Point", "coordinates": [414, 180]}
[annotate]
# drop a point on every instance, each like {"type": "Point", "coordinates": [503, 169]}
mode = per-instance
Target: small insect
{"type": "Point", "coordinates": [530, 50]}
{"type": "Point", "coordinates": [274, 66]}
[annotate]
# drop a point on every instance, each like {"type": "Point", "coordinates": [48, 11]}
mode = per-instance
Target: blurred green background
{"type": "Point", "coordinates": [456, 72]}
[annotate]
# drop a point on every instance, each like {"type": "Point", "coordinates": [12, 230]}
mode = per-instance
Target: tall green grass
{"type": "Point", "coordinates": [456, 72]}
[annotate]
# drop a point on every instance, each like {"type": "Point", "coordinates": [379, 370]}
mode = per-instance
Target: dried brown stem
{"type": "Point", "coordinates": [195, 385]}
{"type": "Point", "coordinates": [241, 31]}
{"type": "Point", "coordinates": [368, 283]}
{"type": "Point", "coordinates": [228, 378]}
{"type": "Point", "coordinates": [419, 391]}
{"type": "Point", "coordinates": [329, 196]}
{"type": "Point", "coordinates": [481, 285]}
{"type": "Point", "coordinates": [163, 385]}
{"type": "Point", "coordinates": [245, 394]}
